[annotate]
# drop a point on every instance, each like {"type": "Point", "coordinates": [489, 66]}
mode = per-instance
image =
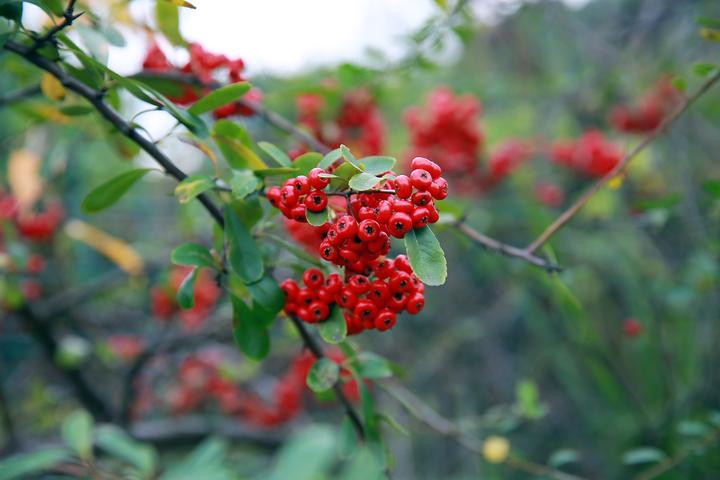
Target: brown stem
{"type": "Point", "coordinates": [585, 197]}
{"type": "Point", "coordinates": [68, 18]}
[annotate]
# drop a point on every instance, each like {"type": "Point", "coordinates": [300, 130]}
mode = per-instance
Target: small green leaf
{"type": "Point", "coordinates": [307, 455]}
{"type": "Point", "coordinates": [193, 186]}
{"type": "Point", "coordinates": [267, 294]}
{"type": "Point", "coordinates": [372, 365]}
{"type": "Point", "coordinates": [344, 173]}
{"type": "Point", "coordinates": [387, 418]}
{"type": "Point", "coordinates": [278, 155]}
{"type": "Point", "coordinates": [318, 219]}
{"type": "Point", "coordinates": [193, 254]}
{"type": "Point", "coordinates": [334, 329]}
{"type": "Point", "coordinates": [712, 187]}
{"type": "Point", "coordinates": [704, 69]}
{"type": "Point", "coordinates": [323, 375]}
{"type": "Point", "coordinates": [680, 83]}
{"type": "Point", "coordinates": [331, 157]}
{"type": "Point", "coordinates": [110, 192]}
{"type": "Point", "coordinates": [243, 254]}
{"type": "Point", "coordinates": [708, 22]}
{"type": "Point", "coordinates": [220, 97]}
{"type": "Point", "coordinates": [167, 16]}
{"type": "Point", "coordinates": [24, 465]}
{"type": "Point", "coordinates": [349, 157]}
{"type": "Point", "coordinates": [363, 181]}
{"type": "Point", "coordinates": [116, 442]}
{"type": "Point", "coordinates": [348, 441]}
{"type": "Point", "coordinates": [426, 256]}
{"type": "Point", "coordinates": [250, 335]}
{"type": "Point", "coordinates": [306, 162]}
{"type": "Point", "coordinates": [77, 432]}
{"type": "Point", "coordinates": [243, 183]}
{"type": "Point", "coordinates": [642, 455]}
{"type": "Point", "coordinates": [236, 145]}
{"type": "Point", "coordinates": [276, 172]}
{"type": "Point", "coordinates": [377, 165]}
{"type": "Point", "coordinates": [186, 290]}
{"type": "Point", "coordinates": [76, 110]}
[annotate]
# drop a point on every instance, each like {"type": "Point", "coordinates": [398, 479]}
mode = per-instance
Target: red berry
{"type": "Point", "coordinates": [333, 283]}
{"type": "Point", "coordinates": [384, 211]}
{"type": "Point", "coordinates": [403, 186]}
{"type": "Point", "coordinates": [421, 179]}
{"type": "Point", "coordinates": [402, 263]}
{"type": "Point", "coordinates": [319, 311]}
{"type": "Point", "coordinates": [379, 292]}
{"type": "Point", "coordinates": [298, 213]}
{"type": "Point", "coordinates": [328, 252]}
{"type": "Point", "coordinates": [422, 198]}
{"type": "Point", "coordinates": [301, 184]}
{"type": "Point", "coordinates": [385, 319]}
{"type": "Point", "coordinates": [400, 224]}
{"type": "Point", "coordinates": [400, 282]}
{"type": "Point", "coordinates": [632, 327]}
{"type": "Point", "coordinates": [288, 196]}
{"type": "Point", "coordinates": [316, 181]}
{"type": "Point", "coordinates": [403, 206]}
{"type": "Point", "coordinates": [333, 237]}
{"type": "Point", "coordinates": [346, 298]}
{"type": "Point", "coordinates": [369, 230]}
{"type": "Point", "coordinates": [439, 188]}
{"type": "Point", "coordinates": [359, 284]}
{"type": "Point", "coordinates": [397, 301]}
{"type": "Point", "coordinates": [428, 165]}
{"type": "Point", "coordinates": [316, 201]}
{"type": "Point", "coordinates": [420, 217]}
{"type": "Point", "coordinates": [365, 310]}
{"type": "Point", "coordinates": [313, 278]}
{"type": "Point", "coordinates": [305, 297]}
{"type": "Point", "coordinates": [273, 196]}
{"type": "Point", "coordinates": [366, 213]}
{"type": "Point", "coordinates": [346, 226]}
{"type": "Point", "coordinates": [383, 268]}
{"type": "Point", "coordinates": [291, 289]}
{"type": "Point", "coordinates": [415, 303]}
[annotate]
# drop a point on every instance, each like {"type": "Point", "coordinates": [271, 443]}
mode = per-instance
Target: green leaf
{"type": "Point", "coordinates": [658, 203]}
{"type": "Point", "coordinates": [243, 183]}
{"type": "Point", "coordinates": [680, 83]}
{"type": "Point", "coordinates": [193, 186]}
{"type": "Point", "coordinates": [348, 441]}
{"type": "Point", "coordinates": [12, 11]}
{"type": "Point", "coordinates": [377, 165]}
{"type": "Point", "coordinates": [363, 181]}
{"type": "Point", "coordinates": [712, 187]}
{"type": "Point", "coordinates": [220, 97]}
{"type": "Point", "coordinates": [528, 399]}
{"type": "Point", "coordinates": [318, 219]}
{"type": "Point", "coordinates": [323, 375]}
{"type": "Point", "coordinates": [711, 34]}
{"type": "Point", "coordinates": [387, 418]}
{"type": "Point", "coordinates": [250, 335]}
{"type": "Point", "coordinates": [24, 465]}
{"type": "Point", "coordinates": [186, 290]}
{"type": "Point", "coordinates": [276, 171]}
{"type": "Point", "coordinates": [243, 254]}
{"type": "Point", "coordinates": [76, 110]}
{"type": "Point", "coordinates": [331, 157]}
{"type": "Point", "coordinates": [278, 155]}
{"type": "Point", "coordinates": [642, 455]}
{"type": "Point", "coordinates": [167, 16]}
{"type": "Point", "coordinates": [267, 294]}
{"type": "Point", "coordinates": [207, 462]}
{"type": "Point", "coordinates": [349, 157]}
{"type": "Point", "coordinates": [193, 254]}
{"type": "Point", "coordinates": [77, 432]}
{"type": "Point", "coordinates": [704, 69]}
{"type": "Point", "coordinates": [372, 365]}
{"type": "Point", "coordinates": [426, 256]}
{"type": "Point", "coordinates": [308, 455]}
{"type": "Point", "coordinates": [334, 329]}
{"type": "Point", "coordinates": [708, 22]}
{"type": "Point", "coordinates": [117, 443]}
{"type": "Point", "coordinates": [344, 173]}
{"type": "Point", "coordinates": [306, 162]}
{"type": "Point", "coordinates": [110, 192]}
{"type": "Point", "coordinates": [54, 7]}
{"type": "Point", "coordinates": [235, 144]}
{"type": "Point", "coordinates": [563, 457]}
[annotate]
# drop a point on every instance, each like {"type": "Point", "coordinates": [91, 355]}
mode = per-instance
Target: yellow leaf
{"type": "Point", "coordinates": [616, 182]}
{"type": "Point", "coordinates": [205, 148]}
{"type": "Point", "coordinates": [710, 34]}
{"type": "Point", "coordinates": [51, 87]}
{"type": "Point", "coordinates": [24, 178]}
{"type": "Point", "coordinates": [118, 251]}
{"type": "Point", "coordinates": [182, 3]}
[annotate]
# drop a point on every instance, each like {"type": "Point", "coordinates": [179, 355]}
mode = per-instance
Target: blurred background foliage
{"type": "Point", "coordinates": [546, 361]}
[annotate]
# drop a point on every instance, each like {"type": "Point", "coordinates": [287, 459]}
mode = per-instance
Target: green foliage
{"type": "Point", "coordinates": [249, 332]}
{"type": "Point", "coordinates": [219, 97]}
{"type": "Point", "coordinates": [186, 291]}
{"type": "Point", "coordinates": [77, 432]}
{"type": "Point", "coordinates": [278, 155]}
{"type": "Point", "coordinates": [25, 464]}
{"type": "Point", "coordinates": [243, 254]}
{"type": "Point", "coordinates": [193, 186]}
{"type": "Point", "coordinates": [318, 219]}
{"type": "Point", "coordinates": [334, 329]}
{"type": "Point", "coordinates": [111, 191]}
{"type": "Point", "coordinates": [116, 442]}
{"type": "Point", "coordinates": [323, 375]}
{"type": "Point", "coordinates": [426, 256]}
{"type": "Point", "coordinates": [193, 254]}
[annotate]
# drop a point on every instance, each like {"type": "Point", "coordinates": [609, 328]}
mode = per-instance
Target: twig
{"type": "Point", "coordinates": [68, 18]}
{"type": "Point", "coordinates": [672, 462]}
{"type": "Point", "coordinates": [585, 197]}
{"type": "Point", "coordinates": [509, 250]}
{"type": "Point", "coordinates": [316, 350]}
{"type": "Point", "coordinates": [95, 97]}
{"type": "Point", "coordinates": [271, 117]}
{"type": "Point", "coordinates": [19, 95]}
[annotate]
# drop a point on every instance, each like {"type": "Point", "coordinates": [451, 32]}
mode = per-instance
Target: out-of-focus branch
{"type": "Point", "coordinates": [271, 117]}
{"type": "Point", "coordinates": [19, 95]}
{"type": "Point", "coordinates": [69, 17]}
{"type": "Point", "coordinates": [620, 167]}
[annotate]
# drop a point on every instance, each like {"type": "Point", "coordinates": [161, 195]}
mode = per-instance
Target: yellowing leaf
{"type": "Point", "coordinates": [182, 3]}
{"type": "Point", "coordinates": [616, 182]}
{"type": "Point", "coordinates": [51, 87]}
{"type": "Point", "coordinates": [710, 34]}
{"type": "Point", "coordinates": [24, 178]}
{"type": "Point", "coordinates": [118, 251]}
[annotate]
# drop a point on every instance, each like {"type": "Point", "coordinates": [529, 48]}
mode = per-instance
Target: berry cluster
{"type": "Point", "coordinates": [358, 124]}
{"type": "Point", "coordinates": [33, 226]}
{"type": "Point", "coordinates": [164, 305]}
{"type": "Point", "coordinates": [200, 383]}
{"type": "Point", "coordinates": [507, 157]}
{"type": "Point", "coordinates": [205, 66]}
{"type": "Point", "coordinates": [592, 154]}
{"type": "Point", "coordinates": [447, 131]}
{"type": "Point", "coordinates": [650, 110]}
{"type": "Point", "coordinates": [362, 234]}
{"type": "Point", "coordinates": [368, 301]}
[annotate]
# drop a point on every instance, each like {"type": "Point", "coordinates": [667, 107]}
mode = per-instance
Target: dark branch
{"type": "Point", "coordinates": [19, 95]}
{"type": "Point", "coordinates": [68, 18]}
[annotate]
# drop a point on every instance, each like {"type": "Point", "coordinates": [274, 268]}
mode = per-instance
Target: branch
{"type": "Point", "coordinates": [271, 117]}
{"type": "Point", "coordinates": [95, 97]}
{"type": "Point", "coordinates": [585, 197]}
{"type": "Point", "coordinates": [316, 350]}
{"type": "Point", "coordinates": [509, 250]}
{"type": "Point", "coordinates": [68, 18]}
{"type": "Point", "coordinates": [19, 95]}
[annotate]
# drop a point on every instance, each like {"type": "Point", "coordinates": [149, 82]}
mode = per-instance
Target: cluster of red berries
{"type": "Point", "coordinates": [592, 154]}
{"type": "Point", "coordinates": [358, 124]}
{"type": "Point", "coordinates": [33, 226]}
{"type": "Point", "coordinates": [649, 111]}
{"type": "Point", "coordinates": [205, 66]}
{"type": "Point", "coordinates": [362, 235]}
{"type": "Point", "coordinates": [200, 383]}
{"type": "Point", "coordinates": [507, 157]}
{"type": "Point", "coordinates": [370, 301]}
{"type": "Point", "coordinates": [164, 304]}
{"type": "Point", "coordinates": [447, 130]}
